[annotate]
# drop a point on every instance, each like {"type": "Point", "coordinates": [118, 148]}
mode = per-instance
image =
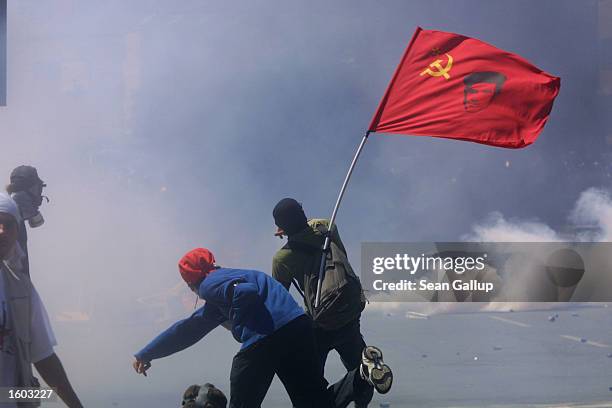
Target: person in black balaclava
{"type": "Point", "coordinates": [297, 262]}
{"type": "Point", "coordinates": [26, 189]}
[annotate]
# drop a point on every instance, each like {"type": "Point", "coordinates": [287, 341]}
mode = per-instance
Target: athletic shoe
{"type": "Point", "coordinates": [374, 370]}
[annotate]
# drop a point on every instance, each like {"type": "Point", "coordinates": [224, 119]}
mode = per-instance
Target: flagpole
{"type": "Point", "coordinates": [321, 275]}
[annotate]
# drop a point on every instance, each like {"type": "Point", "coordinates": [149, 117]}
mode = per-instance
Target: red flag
{"type": "Point", "coordinates": [457, 87]}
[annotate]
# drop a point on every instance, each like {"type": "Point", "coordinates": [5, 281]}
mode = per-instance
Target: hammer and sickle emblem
{"type": "Point", "coordinates": [439, 69]}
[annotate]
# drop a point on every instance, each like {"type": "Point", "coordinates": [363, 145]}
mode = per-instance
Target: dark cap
{"type": "Point", "coordinates": [24, 177]}
{"type": "Point", "coordinates": [289, 216]}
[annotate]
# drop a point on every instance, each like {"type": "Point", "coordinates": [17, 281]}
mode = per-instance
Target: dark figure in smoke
{"type": "Point", "coordinates": [26, 189]}
{"type": "Point", "coordinates": [204, 396]}
{"type": "Point", "coordinates": [293, 264]}
{"type": "Point", "coordinates": [480, 89]}
{"type": "Point", "coordinates": [26, 336]}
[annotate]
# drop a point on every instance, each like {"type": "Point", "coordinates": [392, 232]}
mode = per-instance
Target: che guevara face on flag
{"type": "Point", "coordinates": [452, 86]}
{"type": "Point", "coordinates": [480, 89]}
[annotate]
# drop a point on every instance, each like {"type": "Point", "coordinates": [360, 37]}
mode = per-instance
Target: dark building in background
{"type": "Point", "coordinates": [605, 65]}
{"type": "Point", "coordinates": [2, 52]}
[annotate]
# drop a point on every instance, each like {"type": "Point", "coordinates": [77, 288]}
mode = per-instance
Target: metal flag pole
{"type": "Point", "coordinates": [333, 217]}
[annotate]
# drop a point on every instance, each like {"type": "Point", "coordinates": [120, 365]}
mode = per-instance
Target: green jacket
{"type": "Point", "coordinates": [288, 264]}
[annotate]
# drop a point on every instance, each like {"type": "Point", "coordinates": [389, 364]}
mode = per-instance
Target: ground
{"type": "Point", "coordinates": [501, 359]}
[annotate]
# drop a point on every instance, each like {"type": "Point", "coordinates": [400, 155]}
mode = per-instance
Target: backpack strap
{"type": "Point", "coordinates": [297, 287]}
{"type": "Point", "coordinates": [300, 247]}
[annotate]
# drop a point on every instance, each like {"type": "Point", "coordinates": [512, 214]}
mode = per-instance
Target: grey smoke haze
{"type": "Point", "coordinates": [590, 220]}
{"type": "Point", "coordinates": [161, 126]}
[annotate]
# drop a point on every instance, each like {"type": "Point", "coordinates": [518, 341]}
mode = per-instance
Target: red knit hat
{"type": "Point", "coordinates": [196, 264]}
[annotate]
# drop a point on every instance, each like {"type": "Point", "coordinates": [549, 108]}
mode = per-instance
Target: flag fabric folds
{"type": "Point", "coordinates": [452, 86]}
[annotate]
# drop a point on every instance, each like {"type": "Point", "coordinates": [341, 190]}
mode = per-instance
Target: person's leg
{"type": "Point", "coordinates": [300, 371]}
{"type": "Point", "coordinates": [374, 370]}
{"type": "Point", "coordinates": [298, 366]}
{"type": "Point", "coordinates": [372, 374]}
{"type": "Point", "coordinates": [345, 390]}
{"type": "Point", "coordinates": [325, 343]}
{"type": "Point", "coordinates": [349, 344]}
{"type": "Point", "coordinates": [251, 376]}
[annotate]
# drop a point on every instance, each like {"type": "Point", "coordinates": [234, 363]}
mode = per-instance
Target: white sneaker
{"type": "Point", "coordinates": [374, 370]}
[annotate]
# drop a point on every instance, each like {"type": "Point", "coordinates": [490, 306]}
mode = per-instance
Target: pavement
{"type": "Point", "coordinates": [459, 360]}
{"type": "Point", "coordinates": [494, 360]}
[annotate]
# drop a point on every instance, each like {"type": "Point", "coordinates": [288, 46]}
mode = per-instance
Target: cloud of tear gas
{"type": "Point", "coordinates": [590, 220]}
{"type": "Point", "coordinates": [594, 209]}
{"type": "Point", "coordinates": [497, 229]}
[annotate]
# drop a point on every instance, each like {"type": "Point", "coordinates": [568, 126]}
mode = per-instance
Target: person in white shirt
{"type": "Point", "coordinates": [26, 337]}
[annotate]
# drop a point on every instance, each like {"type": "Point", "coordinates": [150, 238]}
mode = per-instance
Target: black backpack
{"type": "Point", "coordinates": [342, 298]}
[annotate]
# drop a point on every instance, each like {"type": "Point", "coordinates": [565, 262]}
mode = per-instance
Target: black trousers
{"type": "Point", "coordinates": [292, 354]}
{"type": "Point", "coordinates": [348, 343]}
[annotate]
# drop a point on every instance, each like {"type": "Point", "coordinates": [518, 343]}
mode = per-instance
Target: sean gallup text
{"type": "Point", "coordinates": [423, 284]}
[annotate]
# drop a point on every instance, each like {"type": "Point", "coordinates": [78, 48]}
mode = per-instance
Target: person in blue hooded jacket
{"type": "Point", "coordinates": [277, 338]}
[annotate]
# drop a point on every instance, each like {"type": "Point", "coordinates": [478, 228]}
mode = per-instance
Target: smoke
{"type": "Point", "coordinates": [590, 220]}
{"type": "Point", "coordinates": [594, 208]}
{"type": "Point", "coordinates": [497, 229]}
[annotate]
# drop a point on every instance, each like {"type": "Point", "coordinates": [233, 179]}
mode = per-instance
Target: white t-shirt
{"type": "Point", "coordinates": [43, 339]}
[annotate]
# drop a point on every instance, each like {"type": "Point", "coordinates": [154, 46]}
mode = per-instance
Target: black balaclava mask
{"type": "Point", "coordinates": [289, 216]}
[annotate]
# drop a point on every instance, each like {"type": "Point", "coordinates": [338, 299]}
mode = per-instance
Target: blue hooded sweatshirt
{"type": "Point", "coordinates": [254, 303]}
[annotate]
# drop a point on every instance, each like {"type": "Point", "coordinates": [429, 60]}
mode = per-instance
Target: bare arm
{"type": "Point", "coordinates": [52, 372]}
